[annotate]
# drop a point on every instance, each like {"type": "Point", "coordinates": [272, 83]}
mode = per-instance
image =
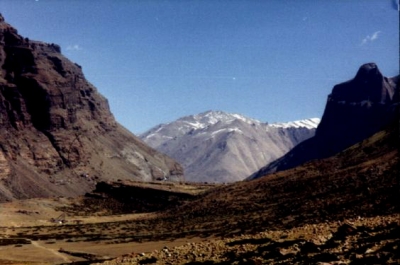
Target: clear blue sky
{"type": "Point", "coordinates": [272, 60]}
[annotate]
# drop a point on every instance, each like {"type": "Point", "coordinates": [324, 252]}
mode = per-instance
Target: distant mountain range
{"type": "Point", "coordinates": [355, 110]}
{"type": "Point", "coordinates": [215, 146]}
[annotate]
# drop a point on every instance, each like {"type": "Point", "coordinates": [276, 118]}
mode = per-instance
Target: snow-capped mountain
{"type": "Point", "coordinates": [215, 146]}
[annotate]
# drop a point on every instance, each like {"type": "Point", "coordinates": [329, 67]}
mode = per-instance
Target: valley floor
{"type": "Point", "coordinates": [361, 240]}
{"type": "Point", "coordinates": [357, 241]}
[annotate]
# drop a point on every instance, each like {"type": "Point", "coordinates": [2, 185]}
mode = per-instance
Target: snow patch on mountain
{"type": "Point", "coordinates": [307, 123]}
{"type": "Point", "coordinates": [226, 130]}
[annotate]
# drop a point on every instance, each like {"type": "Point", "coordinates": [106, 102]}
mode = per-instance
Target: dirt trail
{"type": "Point", "coordinates": [53, 251]}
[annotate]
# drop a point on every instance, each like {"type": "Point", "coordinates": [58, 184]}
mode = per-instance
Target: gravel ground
{"type": "Point", "coordinates": [373, 240]}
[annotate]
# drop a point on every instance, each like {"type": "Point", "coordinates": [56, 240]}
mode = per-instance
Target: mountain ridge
{"type": "Point", "coordinates": [215, 146]}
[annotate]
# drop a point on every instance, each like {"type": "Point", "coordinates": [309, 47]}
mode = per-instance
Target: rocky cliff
{"type": "Point", "coordinates": [355, 110]}
{"type": "Point", "coordinates": [58, 135]}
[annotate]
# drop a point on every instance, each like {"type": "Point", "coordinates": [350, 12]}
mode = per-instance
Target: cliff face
{"type": "Point", "coordinates": [56, 127]}
{"type": "Point", "coordinates": [355, 110]}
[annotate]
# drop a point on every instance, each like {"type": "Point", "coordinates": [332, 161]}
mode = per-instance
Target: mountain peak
{"type": "Point", "coordinates": [369, 85]}
{"type": "Point", "coordinates": [367, 71]}
{"type": "Point", "coordinates": [216, 146]}
{"type": "Point", "coordinates": [211, 117]}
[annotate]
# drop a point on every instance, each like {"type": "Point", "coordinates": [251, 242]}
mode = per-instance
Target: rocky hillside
{"type": "Point", "coordinates": [220, 147]}
{"type": "Point", "coordinates": [355, 110]}
{"type": "Point", "coordinates": [58, 135]}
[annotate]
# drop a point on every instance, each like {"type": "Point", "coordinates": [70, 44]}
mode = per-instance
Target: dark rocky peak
{"type": "Point", "coordinates": [367, 71]}
{"type": "Point", "coordinates": [355, 110]}
{"type": "Point", "coordinates": [360, 106]}
{"type": "Point", "coordinates": [369, 85]}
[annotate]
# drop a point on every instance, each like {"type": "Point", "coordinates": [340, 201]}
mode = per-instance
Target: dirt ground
{"type": "Point", "coordinates": [51, 251]}
{"type": "Point", "coordinates": [355, 241]}
{"type": "Point", "coordinates": [38, 231]}
{"type": "Point", "coordinates": [28, 236]}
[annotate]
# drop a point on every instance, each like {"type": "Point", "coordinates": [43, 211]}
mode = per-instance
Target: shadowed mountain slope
{"type": "Point", "coordinates": [57, 132]}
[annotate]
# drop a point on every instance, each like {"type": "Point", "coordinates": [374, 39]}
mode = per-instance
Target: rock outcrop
{"type": "Point", "coordinates": [355, 110]}
{"type": "Point", "coordinates": [57, 132]}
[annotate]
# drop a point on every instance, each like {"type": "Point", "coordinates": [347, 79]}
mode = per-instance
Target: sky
{"type": "Point", "coordinates": [272, 60]}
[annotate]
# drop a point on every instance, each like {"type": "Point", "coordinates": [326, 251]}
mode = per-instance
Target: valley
{"type": "Point", "coordinates": [76, 187]}
{"type": "Point", "coordinates": [341, 209]}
